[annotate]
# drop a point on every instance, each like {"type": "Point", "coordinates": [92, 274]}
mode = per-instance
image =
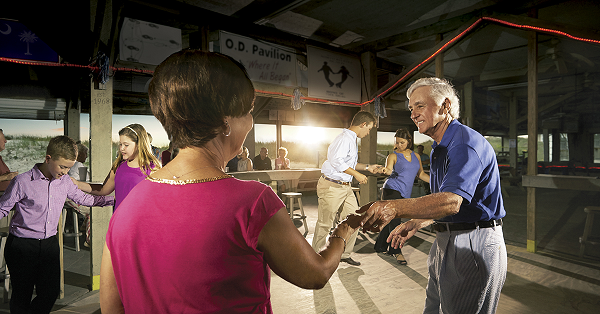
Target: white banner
{"type": "Point", "coordinates": [333, 76]}
{"type": "Point", "coordinates": [267, 63]}
{"type": "Point", "coordinates": [146, 42]}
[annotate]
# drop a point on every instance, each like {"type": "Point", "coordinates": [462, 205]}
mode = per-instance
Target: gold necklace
{"type": "Point", "coordinates": [177, 177]}
{"type": "Point", "coordinates": [190, 181]}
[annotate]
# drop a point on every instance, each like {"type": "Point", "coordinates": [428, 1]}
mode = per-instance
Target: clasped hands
{"type": "Point", "coordinates": [375, 216]}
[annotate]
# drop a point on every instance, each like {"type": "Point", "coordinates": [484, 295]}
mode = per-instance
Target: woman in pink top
{"type": "Point", "coordinates": [134, 163]}
{"type": "Point", "coordinates": [194, 239]}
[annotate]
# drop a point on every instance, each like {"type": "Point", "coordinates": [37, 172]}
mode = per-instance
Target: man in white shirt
{"type": "Point", "coordinates": [334, 188]}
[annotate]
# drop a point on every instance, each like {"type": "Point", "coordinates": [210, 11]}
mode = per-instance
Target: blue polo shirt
{"type": "Point", "coordinates": [464, 163]}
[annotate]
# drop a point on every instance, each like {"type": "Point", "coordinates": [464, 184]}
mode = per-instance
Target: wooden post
{"type": "Point", "coordinates": [71, 126]}
{"type": "Point", "coordinates": [368, 144]}
{"type": "Point", "coordinates": [532, 125]}
{"type": "Point", "coordinates": [279, 140]}
{"type": "Point", "coordinates": [512, 135]}
{"type": "Point", "coordinates": [72, 123]}
{"type": "Point", "coordinates": [101, 158]}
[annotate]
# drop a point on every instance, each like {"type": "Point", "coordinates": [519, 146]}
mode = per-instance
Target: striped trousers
{"type": "Point", "coordinates": [467, 270]}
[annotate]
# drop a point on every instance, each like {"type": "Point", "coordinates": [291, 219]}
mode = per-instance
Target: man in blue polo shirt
{"type": "Point", "coordinates": [467, 261]}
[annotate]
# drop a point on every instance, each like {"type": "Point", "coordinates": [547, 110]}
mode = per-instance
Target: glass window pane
{"type": "Point", "coordinates": [596, 148]}
{"type": "Point", "coordinates": [564, 147]}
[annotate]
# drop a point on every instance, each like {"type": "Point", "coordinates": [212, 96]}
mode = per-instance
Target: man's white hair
{"type": "Point", "coordinates": [440, 90]}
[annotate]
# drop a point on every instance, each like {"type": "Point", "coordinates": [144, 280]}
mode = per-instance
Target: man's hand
{"type": "Point", "coordinates": [11, 175]}
{"type": "Point", "coordinates": [402, 233]}
{"type": "Point", "coordinates": [361, 178]}
{"type": "Point", "coordinates": [376, 215]}
{"type": "Point", "coordinates": [374, 169]}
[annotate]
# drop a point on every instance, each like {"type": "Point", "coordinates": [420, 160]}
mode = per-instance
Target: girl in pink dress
{"type": "Point", "coordinates": [134, 163]}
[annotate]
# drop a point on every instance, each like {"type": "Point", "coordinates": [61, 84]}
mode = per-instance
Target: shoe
{"type": "Point", "coordinates": [86, 244]}
{"type": "Point", "coordinates": [350, 261]}
{"type": "Point", "coordinates": [400, 259]}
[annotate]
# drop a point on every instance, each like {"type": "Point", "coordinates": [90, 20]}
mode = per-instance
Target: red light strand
{"type": "Point", "coordinates": [437, 52]}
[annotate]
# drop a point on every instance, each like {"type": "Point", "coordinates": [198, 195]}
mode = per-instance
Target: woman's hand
{"type": "Point", "coordinates": [349, 225]}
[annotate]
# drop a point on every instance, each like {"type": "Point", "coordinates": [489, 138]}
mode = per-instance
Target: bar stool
{"type": "Point", "coordinates": [296, 196]}
{"type": "Point", "coordinates": [75, 232]}
{"type": "Point", "coordinates": [5, 276]}
{"type": "Point", "coordinates": [587, 230]}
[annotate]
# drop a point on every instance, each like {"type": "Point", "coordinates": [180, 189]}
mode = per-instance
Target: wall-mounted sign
{"type": "Point", "coordinates": [264, 62]}
{"type": "Point", "coordinates": [147, 43]}
{"type": "Point", "coordinates": [18, 42]}
{"type": "Point", "coordinates": [333, 76]}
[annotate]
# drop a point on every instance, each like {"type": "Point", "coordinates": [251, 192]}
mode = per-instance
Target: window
{"type": "Point", "coordinates": [596, 148]}
{"type": "Point", "coordinates": [564, 147]}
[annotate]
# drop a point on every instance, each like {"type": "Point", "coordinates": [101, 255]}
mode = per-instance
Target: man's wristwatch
{"type": "Point", "coordinates": [367, 167]}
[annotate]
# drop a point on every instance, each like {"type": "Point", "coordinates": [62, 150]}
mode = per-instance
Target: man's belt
{"type": "Point", "coordinates": [449, 226]}
{"type": "Point", "coordinates": [335, 181]}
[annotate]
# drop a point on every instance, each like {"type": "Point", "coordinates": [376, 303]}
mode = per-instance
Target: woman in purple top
{"type": "Point", "coordinates": [402, 166]}
{"type": "Point", "coordinates": [134, 163]}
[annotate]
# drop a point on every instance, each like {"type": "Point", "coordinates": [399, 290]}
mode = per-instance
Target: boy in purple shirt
{"type": "Point", "coordinates": [32, 250]}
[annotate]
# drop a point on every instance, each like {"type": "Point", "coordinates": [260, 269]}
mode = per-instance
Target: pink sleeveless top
{"type": "Point", "coordinates": [192, 248]}
{"type": "Point", "coordinates": [126, 178]}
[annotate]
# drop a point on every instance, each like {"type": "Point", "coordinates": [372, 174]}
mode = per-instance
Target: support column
{"type": "Point", "coordinates": [71, 129]}
{"type": "Point", "coordinates": [368, 144]}
{"type": "Point", "coordinates": [101, 158]}
{"type": "Point", "coordinates": [468, 104]}
{"type": "Point", "coordinates": [555, 145]}
{"type": "Point", "coordinates": [546, 145]}
{"type": "Point", "coordinates": [72, 123]}
{"type": "Point", "coordinates": [279, 137]}
{"type": "Point", "coordinates": [512, 135]}
{"type": "Point", "coordinates": [532, 125]}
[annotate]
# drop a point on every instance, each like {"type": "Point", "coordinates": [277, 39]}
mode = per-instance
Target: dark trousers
{"type": "Point", "coordinates": [33, 263]}
{"type": "Point", "coordinates": [381, 244]}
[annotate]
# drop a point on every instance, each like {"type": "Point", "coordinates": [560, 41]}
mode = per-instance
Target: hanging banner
{"type": "Point", "coordinates": [146, 42]}
{"type": "Point", "coordinates": [264, 62]}
{"type": "Point", "coordinates": [18, 42]}
{"type": "Point", "coordinates": [333, 76]}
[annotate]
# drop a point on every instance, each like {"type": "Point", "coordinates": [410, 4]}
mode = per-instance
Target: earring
{"type": "Point", "coordinates": [227, 124]}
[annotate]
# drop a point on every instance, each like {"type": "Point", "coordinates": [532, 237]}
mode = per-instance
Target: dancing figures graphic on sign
{"type": "Point", "coordinates": [326, 70]}
{"type": "Point", "coordinates": [345, 74]}
{"type": "Point", "coordinates": [333, 76]}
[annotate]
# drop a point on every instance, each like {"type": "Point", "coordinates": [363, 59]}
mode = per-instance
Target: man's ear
{"type": "Point", "coordinates": [48, 157]}
{"type": "Point", "coordinates": [446, 105]}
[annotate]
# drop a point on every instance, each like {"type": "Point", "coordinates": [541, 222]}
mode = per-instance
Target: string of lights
{"type": "Point", "coordinates": [382, 94]}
